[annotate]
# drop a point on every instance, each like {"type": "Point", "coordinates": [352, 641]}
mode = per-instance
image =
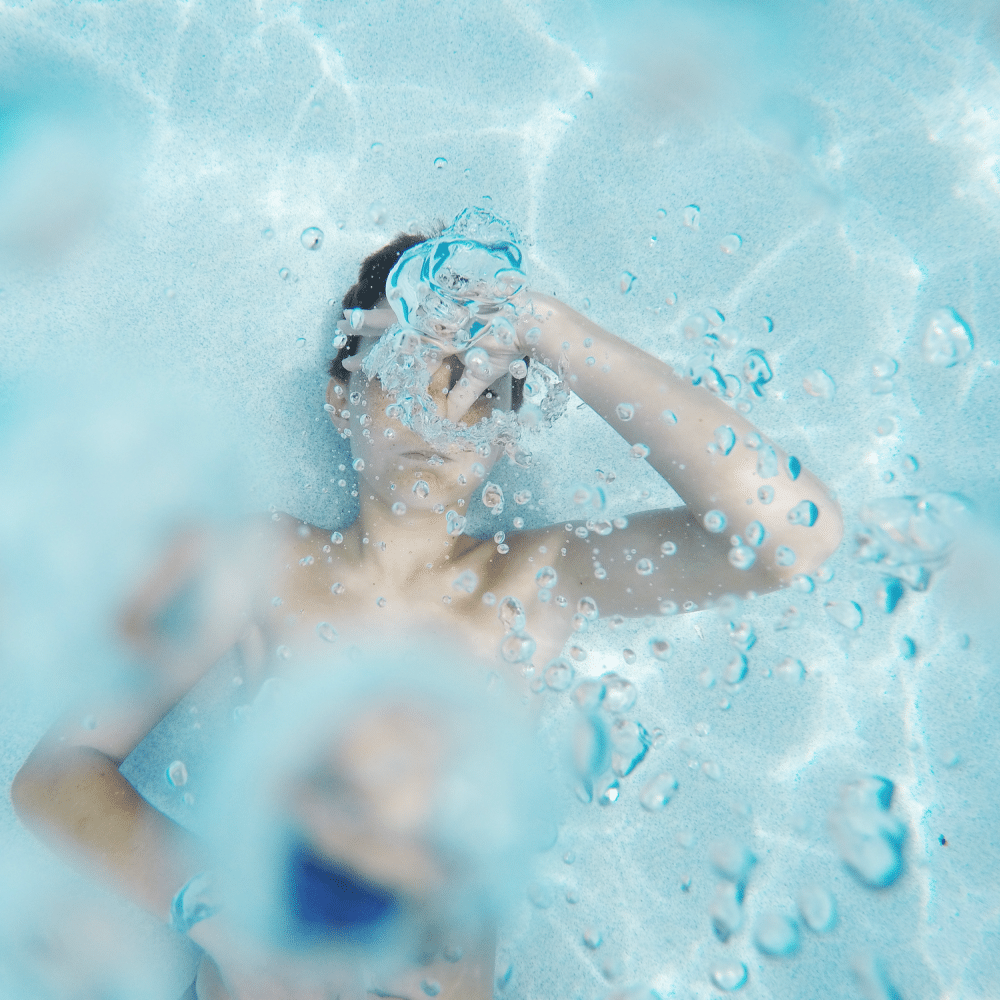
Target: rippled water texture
{"type": "Point", "coordinates": [800, 209]}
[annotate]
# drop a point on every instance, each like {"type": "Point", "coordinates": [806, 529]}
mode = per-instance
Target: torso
{"type": "Point", "coordinates": [367, 609]}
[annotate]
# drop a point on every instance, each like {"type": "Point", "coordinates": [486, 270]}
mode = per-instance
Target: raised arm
{"type": "Point", "coordinates": [714, 458]}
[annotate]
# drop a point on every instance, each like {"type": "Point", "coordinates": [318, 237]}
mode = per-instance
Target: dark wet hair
{"type": "Point", "coordinates": [366, 292]}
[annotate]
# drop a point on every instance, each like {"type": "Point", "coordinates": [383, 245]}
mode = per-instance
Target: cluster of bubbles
{"type": "Point", "coordinates": [449, 294]}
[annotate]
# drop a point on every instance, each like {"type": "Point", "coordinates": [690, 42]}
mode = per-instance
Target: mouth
{"type": "Point", "coordinates": [423, 456]}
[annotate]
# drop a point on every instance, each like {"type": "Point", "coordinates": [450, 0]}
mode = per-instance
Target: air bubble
{"type": "Point", "coordinates": [765, 494]}
{"type": "Point", "coordinates": [592, 938]}
{"type": "Point", "coordinates": [755, 533]}
{"type": "Point", "coordinates": [805, 513]}
{"type": "Point", "coordinates": [735, 670]}
{"type": "Point", "coordinates": [818, 384]}
{"type": "Point", "coordinates": [177, 774]}
{"type": "Point", "coordinates": [657, 792]}
{"type": "Point", "coordinates": [730, 244]}
{"type": "Point", "coordinates": [883, 366]}
{"type": "Point", "coordinates": [421, 489]}
{"type": "Point", "coordinates": [625, 411]}
{"type": "Point", "coordinates": [947, 339]}
{"type": "Point", "coordinates": [725, 439]}
{"type": "Point", "coordinates": [559, 674]}
{"type": "Point", "coordinates": [818, 909]}
{"type": "Point", "coordinates": [337, 589]}
{"type": "Point", "coordinates": [440, 162]}
{"type": "Point", "coordinates": [776, 934]}
{"type": "Point", "coordinates": [626, 281]}
{"type": "Point", "coordinates": [667, 548]}
{"type": "Point", "coordinates": [312, 238]}
{"type": "Point", "coordinates": [467, 581]}
{"type": "Point", "coordinates": [284, 273]}
{"type": "Point", "coordinates": [639, 451]}
{"type": "Point", "coordinates": [691, 216]}
{"type": "Point", "coordinates": [729, 974]}
{"type": "Point", "coordinates": [517, 647]}
{"type": "Point", "coordinates": [326, 632]}
{"type": "Point", "coordinates": [518, 369]}
{"type": "Point", "coordinates": [377, 213]}
{"type": "Point", "coordinates": [454, 523]}
{"type": "Point", "coordinates": [644, 567]}
{"type": "Point", "coordinates": [546, 577]}
{"type": "Point", "coordinates": [847, 613]}
{"type": "Point", "coordinates": [660, 649]}
{"type": "Point", "coordinates": [399, 508]}
{"type": "Point", "coordinates": [714, 521]}
{"type": "Point", "coordinates": [511, 614]}
{"type": "Point", "coordinates": [742, 557]}
{"type": "Point", "coordinates": [784, 556]}
{"type": "Point", "coordinates": [493, 498]}
{"type": "Point", "coordinates": [885, 426]}
{"type": "Point", "coordinates": [668, 417]}
{"type": "Point", "coordinates": [668, 607]}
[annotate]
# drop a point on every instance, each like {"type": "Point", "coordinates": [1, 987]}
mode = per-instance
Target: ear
{"type": "Point", "coordinates": [338, 403]}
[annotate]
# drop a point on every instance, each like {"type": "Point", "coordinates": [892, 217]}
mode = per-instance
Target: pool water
{"type": "Point", "coordinates": [800, 204]}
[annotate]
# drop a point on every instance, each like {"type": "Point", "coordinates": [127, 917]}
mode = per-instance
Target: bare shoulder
{"type": "Point", "coordinates": [202, 597]}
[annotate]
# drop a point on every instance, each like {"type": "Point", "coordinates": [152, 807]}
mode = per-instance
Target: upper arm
{"type": "Point", "coordinates": [196, 603]}
{"type": "Point", "coordinates": [633, 571]}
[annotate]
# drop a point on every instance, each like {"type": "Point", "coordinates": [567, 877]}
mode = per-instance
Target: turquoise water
{"type": "Point", "coordinates": [816, 183]}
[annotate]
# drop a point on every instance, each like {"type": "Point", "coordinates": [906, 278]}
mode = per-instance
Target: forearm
{"type": "Point", "coordinates": [76, 800]}
{"type": "Point", "coordinates": [651, 404]}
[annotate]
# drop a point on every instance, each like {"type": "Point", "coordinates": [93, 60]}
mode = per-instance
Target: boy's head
{"type": "Point", "coordinates": [369, 290]}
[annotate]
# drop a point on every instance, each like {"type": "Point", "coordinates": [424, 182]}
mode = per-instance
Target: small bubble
{"type": "Point", "coordinates": [626, 281]}
{"type": "Point", "coordinates": [644, 567]}
{"type": "Point", "coordinates": [312, 238]}
{"type": "Point", "coordinates": [518, 368]}
{"type": "Point", "coordinates": [668, 607]}
{"type": "Point", "coordinates": [776, 934]}
{"type": "Point", "coordinates": [730, 244]}
{"type": "Point", "coordinates": [337, 589]}
{"type": "Point", "coordinates": [592, 938]}
{"type": "Point", "coordinates": [660, 648]}
{"type": "Point", "coordinates": [805, 513]}
{"type": "Point", "coordinates": [818, 384]}
{"type": "Point", "coordinates": [639, 451]}
{"type": "Point", "coordinates": [377, 213]}
{"type": "Point", "coordinates": [283, 653]}
{"type": "Point", "coordinates": [625, 411]}
{"type": "Point", "coordinates": [421, 489]}
{"type": "Point", "coordinates": [326, 632]}
{"type": "Point", "coordinates": [559, 674]}
{"type": "Point", "coordinates": [947, 339]}
{"type": "Point", "coordinates": [381, 602]}
{"type": "Point", "coordinates": [765, 494]}
{"type": "Point", "coordinates": [729, 974]}
{"type": "Point", "coordinates": [691, 216]}
{"type": "Point", "coordinates": [431, 987]}
{"type": "Point", "coordinates": [714, 521]}
{"type": "Point", "coordinates": [177, 774]}
{"type": "Point", "coordinates": [847, 613]}
{"type": "Point", "coordinates": [440, 162]}
{"type": "Point", "coordinates": [578, 653]}
{"type": "Point", "coordinates": [284, 273]}
{"type": "Point", "coordinates": [885, 426]}
{"type": "Point", "coordinates": [267, 234]}
{"type": "Point", "coordinates": [399, 508]}
{"type": "Point", "coordinates": [657, 792]}
{"type": "Point", "coordinates": [628, 655]}
{"type": "Point", "coordinates": [910, 464]}
{"type": "Point", "coordinates": [546, 577]}
{"type": "Point", "coordinates": [784, 556]}
{"type": "Point", "coordinates": [742, 557]}
{"type": "Point", "coordinates": [735, 670]}
{"type": "Point", "coordinates": [668, 417]}
{"type": "Point", "coordinates": [818, 909]}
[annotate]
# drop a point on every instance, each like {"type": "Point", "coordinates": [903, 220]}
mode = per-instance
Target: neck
{"type": "Point", "coordinates": [400, 547]}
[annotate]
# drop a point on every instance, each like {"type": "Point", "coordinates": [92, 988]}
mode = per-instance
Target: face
{"type": "Point", "coordinates": [395, 462]}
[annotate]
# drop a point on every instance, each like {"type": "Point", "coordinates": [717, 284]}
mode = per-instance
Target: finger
{"type": "Point", "coordinates": [462, 396]}
{"type": "Point", "coordinates": [369, 319]}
